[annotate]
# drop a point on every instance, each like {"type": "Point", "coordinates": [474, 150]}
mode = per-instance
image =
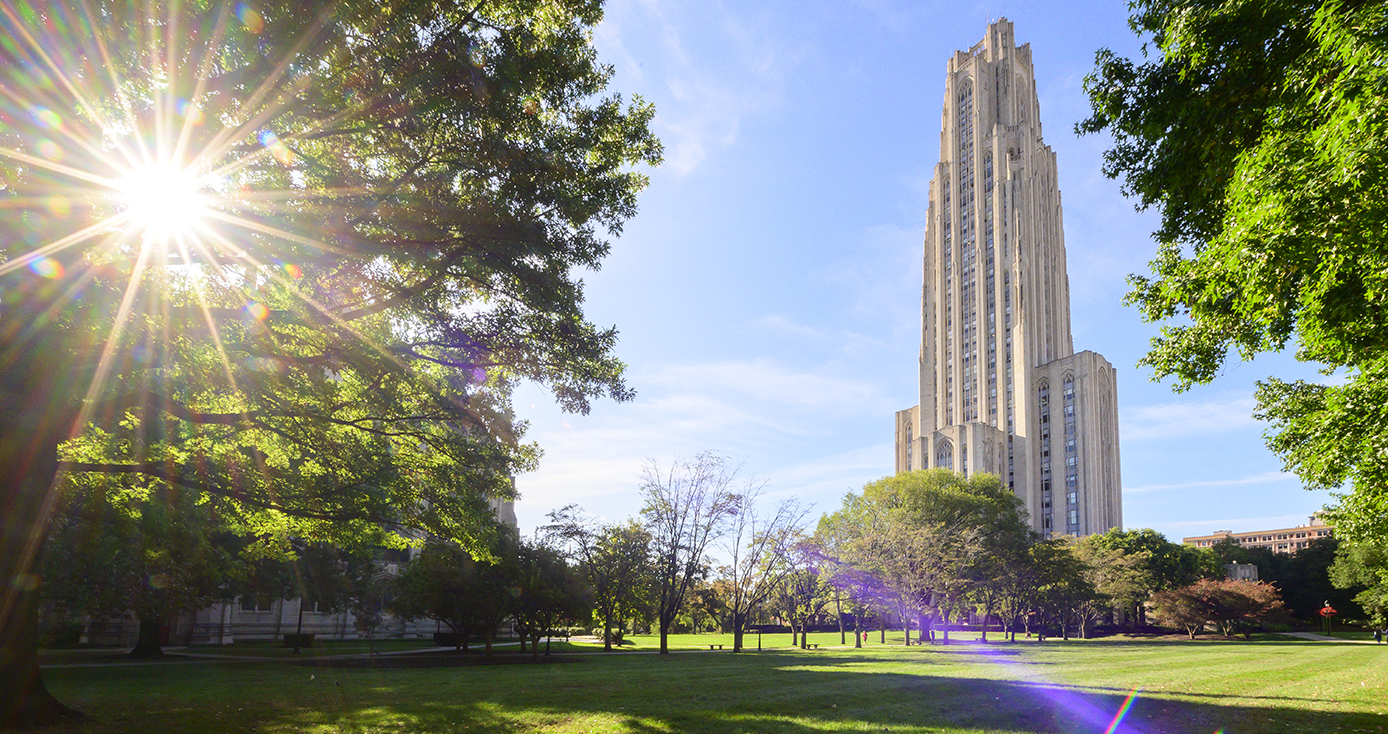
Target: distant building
{"type": "Point", "coordinates": [1241, 571]}
{"type": "Point", "coordinates": [1002, 389]}
{"type": "Point", "coordinates": [1285, 540]}
{"type": "Point", "coordinates": [252, 618]}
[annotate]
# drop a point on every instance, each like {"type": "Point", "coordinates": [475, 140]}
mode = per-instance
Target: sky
{"type": "Point", "coordinates": [768, 292]}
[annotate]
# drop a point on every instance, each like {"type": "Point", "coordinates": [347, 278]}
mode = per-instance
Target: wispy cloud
{"type": "Point", "coordinates": [845, 340]}
{"type": "Point", "coordinates": [760, 410]}
{"type": "Point", "coordinates": [1263, 478]}
{"type": "Point", "coordinates": [1250, 523]}
{"type": "Point", "coordinates": [733, 69]}
{"type": "Point", "coordinates": [1190, 418]}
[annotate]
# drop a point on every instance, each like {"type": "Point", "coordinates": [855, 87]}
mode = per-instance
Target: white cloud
{"type": "Point", "coordinates": [759, 410]}
{"type": "Point", "coordinates": [1270, 523]}
{"type": "Point", "coordinates": [711, 83]}
{"type": "Point", "coordinates": [768, 383]}
{"type": "Point", "coordinates": [1186, 419]}
{"type": "Point", "coordinates": [1263, 478]}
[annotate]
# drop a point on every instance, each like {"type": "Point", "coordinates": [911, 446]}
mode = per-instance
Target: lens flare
{"type": "Point", "coordinates": [277, 148]}
{"type": "Point", "coordinates": [190, 112]}
{"type": "Point", "coordinates": [47, 267]}
{"type": "Point", "coordinates": [58, 205]}
{"type": "Point", "coordinates": [250, 18]}
{"type": "Point", "coordinates": [1122, 711]}
{"type": "Point", "coordinates": [47, 118]}
{"type": "Point", "coordinates": [50, 150]}
{"type": "Point", "coordinates": [292, 270]}
{"type": "Point", "coordinates": [257, 311]}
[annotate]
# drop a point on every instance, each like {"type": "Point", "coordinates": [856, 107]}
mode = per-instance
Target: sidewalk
{"type": "Point", "coordinates": [1315, 637]}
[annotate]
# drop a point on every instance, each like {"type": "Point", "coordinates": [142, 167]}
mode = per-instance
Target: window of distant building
{"type": "Point", "coordinates": [944, 455]}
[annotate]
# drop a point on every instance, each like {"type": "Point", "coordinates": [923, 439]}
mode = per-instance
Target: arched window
{"type": "Point", "coordinates": [944, 455]}
{"type": "Point", "coordinates": [908, 447]}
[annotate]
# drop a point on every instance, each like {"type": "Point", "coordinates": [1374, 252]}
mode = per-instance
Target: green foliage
{"type": "Point", "coordinates": [116, 549]}
{"type": "Point", "coordinates": [1364, 566]}
{"type": "Point", "coordinates": [616, 560]}
{"type": "Point", "coordinates": [1303, 578]}
{"type": "Point", "coordinates": [1259, 129]}
{"type": "Point", "coordinates": [546, 593]}
{"type": "Point", "coordinates": [927, 540]}
{"type": "Point", "coordinates": [441, 583]}
{"type": "Point", "coordinates": [399, 198]}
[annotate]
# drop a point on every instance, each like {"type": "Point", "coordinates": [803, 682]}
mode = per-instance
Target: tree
{"type": "Point", "coordinates": [759, 552]}
{"type": "Point", "coordinates": [616, 559]}
{"type": "Point", "coordinates": [803, 593]}
{"type": "Point", "coordinates": [1063, 588]}
{"type": "Point", "coordinates": [117, 549]}
{"type": "Point", "coordinates": [1167, 565]}
{"type": "Point", "coordinates": [686, 509]}
{"type": "Point", "coordinates": [295, 256]}
{"type": "Point", "coordinates": [1180, 608]}
{"type": "Point", "coordinates": [928, 538]}
{"type": "Point", "coordinates": [1119, 579]}
{"type": "Point", "coordinates": [547, 592]}
{"type": "Point", "coordinates": [1258, 130]}
{"type": "Point", "coordinates": [442, 583]}
{"type": "Point", "coordinates": [1233, 606]}
{"type": "Point", "coordinates": [1365, 566]}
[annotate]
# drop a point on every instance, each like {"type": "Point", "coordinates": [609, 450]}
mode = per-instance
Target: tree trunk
{"type": "Point", "coordinates": [487, 639]}
{"type": "Point", "coordinates": [739, 621]}
{"type": "Point", "coordinates": [29, 440]}
{"type": "Point", "coordinates": [607, 634]}
{"type": "Point", "coordinates": [147, 643]}
{"type": "Point", "coordinates": [905, 626]}
{"type": "Point", "coordinates": [857, 631]}
{"type": "Point", "coordinates": [838, 613]}
{"type": "Point", "coordinates": [665, 623]}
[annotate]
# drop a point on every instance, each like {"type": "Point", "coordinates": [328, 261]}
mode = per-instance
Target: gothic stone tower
{"type": "Point", "coordinates": [1001, 388]}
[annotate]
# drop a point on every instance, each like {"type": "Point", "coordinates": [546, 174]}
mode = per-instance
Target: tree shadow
{"type": "Point", "coordinates": [775, 693]}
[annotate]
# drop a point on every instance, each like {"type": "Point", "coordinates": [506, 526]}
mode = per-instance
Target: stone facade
{"type": "Point", "coordinates": [1002, 389]}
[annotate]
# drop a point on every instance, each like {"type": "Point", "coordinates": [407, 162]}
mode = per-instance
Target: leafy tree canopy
{"type": "Point", "coordinates": [295, 254]}
{"type": "Point", "coordinates": [1258, 130]}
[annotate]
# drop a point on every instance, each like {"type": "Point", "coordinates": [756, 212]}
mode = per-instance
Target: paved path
{"type": "Point", "coordinates": [1324, 638]}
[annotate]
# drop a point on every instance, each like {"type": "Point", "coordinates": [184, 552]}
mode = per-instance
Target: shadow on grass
{"type": "Point", "coordinates": [775, 693]}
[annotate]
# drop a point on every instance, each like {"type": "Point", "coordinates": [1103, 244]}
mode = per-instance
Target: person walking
{"type": "Point", "coordinates": [1378, 635]}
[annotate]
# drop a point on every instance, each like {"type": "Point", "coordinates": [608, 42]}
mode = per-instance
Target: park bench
{"type": "Point", "coordinates": [813, 647]}
{"type": "Point", "coordinates": [720, 647]}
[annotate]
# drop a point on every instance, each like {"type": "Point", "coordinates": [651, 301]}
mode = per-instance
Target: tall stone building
{"type": "Point", "coordinates": [1001, 388]}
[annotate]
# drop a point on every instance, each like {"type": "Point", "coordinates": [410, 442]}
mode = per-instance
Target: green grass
{"type": "Point", "coordinates": [1077, 686]}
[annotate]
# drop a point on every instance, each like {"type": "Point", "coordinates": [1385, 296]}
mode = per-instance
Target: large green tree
{"type": "Point", "coordinates": [931, 538]}
{"type": "Point", "coordinates": [1259, 129]}
{"type": "Point", "coordinates": [293, 254]}
{"type": "Point", "coordinates": [616, 560]}
{"type": "Point", "coordinates": [117, 549]}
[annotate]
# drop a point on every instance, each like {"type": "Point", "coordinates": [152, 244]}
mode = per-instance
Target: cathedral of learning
{"type": "Point", "coordinates": [1002, 389]}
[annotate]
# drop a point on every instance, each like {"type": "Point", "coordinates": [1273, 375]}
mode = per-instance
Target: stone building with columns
{"type": "Point", "coordinates": [1002, 389]}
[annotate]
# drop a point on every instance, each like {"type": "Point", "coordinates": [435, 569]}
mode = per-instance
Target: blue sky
{"type": "Point", "coordinates": [768, 292]}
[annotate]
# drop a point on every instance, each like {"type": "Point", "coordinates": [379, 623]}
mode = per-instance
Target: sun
{"type": "Point", "coordinates": [164, 199]}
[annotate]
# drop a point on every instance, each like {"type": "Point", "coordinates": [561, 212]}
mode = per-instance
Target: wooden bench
{"type": "Point", "coordinates": [814, 647]}
{"type": "Point", "coordinates": [720, 647]}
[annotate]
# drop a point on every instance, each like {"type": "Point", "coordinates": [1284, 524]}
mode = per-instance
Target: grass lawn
{"type": "Point", "coordinates": [1078, 686]}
